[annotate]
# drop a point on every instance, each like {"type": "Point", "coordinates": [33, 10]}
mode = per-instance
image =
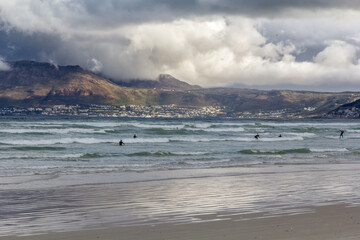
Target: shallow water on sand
{"type": "Point", "coordinates": [69, 174]}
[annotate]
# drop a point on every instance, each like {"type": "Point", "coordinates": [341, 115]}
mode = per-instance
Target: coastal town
{"type": "Point", "coordinates": [132, 111]}
{"type": "Point", "coordinates": [138, 111]}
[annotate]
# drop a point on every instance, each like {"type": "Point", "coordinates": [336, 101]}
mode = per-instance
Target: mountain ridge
{"type": "Point", "coordinates": [36, 83]}
{"type": "Point", "coordinates": [31, 83]}
{"type": "Point", "coordinates": [163, 81]}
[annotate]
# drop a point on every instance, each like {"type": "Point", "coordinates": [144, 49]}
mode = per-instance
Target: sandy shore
{"type": "Point", "coordinates": [329, 222]}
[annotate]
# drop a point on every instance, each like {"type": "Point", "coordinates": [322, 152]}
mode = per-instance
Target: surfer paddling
{"type": "Point", "coordinates": [257, 136]}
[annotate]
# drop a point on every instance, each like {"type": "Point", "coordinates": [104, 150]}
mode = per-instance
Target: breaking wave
{"type": "Point", "coordinates": [290, 151]}
{"type": "Point", "coordinates": [275, 152]}
{"type": "Point", "coordinates": [164, 154]}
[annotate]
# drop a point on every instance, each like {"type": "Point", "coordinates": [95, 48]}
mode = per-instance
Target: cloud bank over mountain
{"type": "Point", "coordinates": [4, 66]}
{"type": "Point", "coordinates": [271, 43]}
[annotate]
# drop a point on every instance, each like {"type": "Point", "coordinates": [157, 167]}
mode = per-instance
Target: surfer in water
{"type": "Point", "coordinates": [257, 136]}
{"type": "Point", "coordinates": [121, 143]}
{"type": "Point", "coordinates": [280, 135]}
{"type": "Point", "coordinates": [342, 133]}
{"type": "Point", "coordinates": [135, 136]}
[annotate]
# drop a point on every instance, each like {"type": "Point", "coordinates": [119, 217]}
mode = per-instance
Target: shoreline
{"type": "Point", "coordinates": [326, 222]}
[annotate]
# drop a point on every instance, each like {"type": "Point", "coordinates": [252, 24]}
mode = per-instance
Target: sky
{"type": "Point", "coordinates": [267, 44]}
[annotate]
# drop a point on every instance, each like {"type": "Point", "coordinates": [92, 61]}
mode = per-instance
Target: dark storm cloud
{"type": "Point", "coordinates": [148, 10]}
{"type": "Point", "coordinates": [109, 13]}
{"type": "Point", "coordinates": [17, 45]}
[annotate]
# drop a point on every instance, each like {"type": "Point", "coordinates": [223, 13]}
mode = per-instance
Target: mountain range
{"type": "Point", "coordinates": [163, 82]}
{"type": "Point", "coordinates": [30, 83]}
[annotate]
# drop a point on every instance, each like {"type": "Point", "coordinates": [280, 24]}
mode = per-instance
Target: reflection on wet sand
{"type": "Point", "coordinates": [177, 197]}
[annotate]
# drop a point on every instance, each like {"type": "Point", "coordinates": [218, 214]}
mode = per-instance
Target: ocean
{"type": "Point", "coordinates": [62, 174]}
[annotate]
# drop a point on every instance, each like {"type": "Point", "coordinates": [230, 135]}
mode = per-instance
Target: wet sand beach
{"type": "Point", "coordinates": [276, 202]}
{"type": "Point", "coordinates": [329, 222]}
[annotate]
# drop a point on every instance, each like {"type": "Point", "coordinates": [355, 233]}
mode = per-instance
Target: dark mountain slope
{"type": "Point", "coordinates": [45, 84]}
{"type": "Point", "coordinates": [164, 82]}
{"type": "Point", "coordinates": [42, 84]}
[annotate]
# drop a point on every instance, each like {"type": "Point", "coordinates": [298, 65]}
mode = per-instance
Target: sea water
{"type": "Point", "coordinates": [55, 172]}
{"type": "Point", "coordinates": [67, 146]}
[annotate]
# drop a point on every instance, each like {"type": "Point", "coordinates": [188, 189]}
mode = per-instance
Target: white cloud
{"type": "Point", "coordinates": [95, 65]}
{"type": "Point", "coordinates": [52, 62]}
{"type": "Point", "coordinates": [4, 66]}
{"type": "Point", "coordinates": [337, 54]}
{"type": "Point", "coordinates": [123, 40]}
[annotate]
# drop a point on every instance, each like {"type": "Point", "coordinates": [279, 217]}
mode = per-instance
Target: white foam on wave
{"type": "Point", "coordinates": [67, 124]}
{"type": "Point", "coordinates": [38, 124]}
{"type": "Point", "coordinates": [196, 139]}
{"type": "Point", "coordinates": [278, 139]}
{"type": "Point", "coordinates": [61, 156]}
{"type": "Point", "coordinates": [82, 141]}
{"type": "Point", "coordinates": [304, 134]}
{"type": "Point", "coordinates": [332, 137]}
{"type": "Point", "coordinates": [165, 126]}
{"type": "Point", "coordinates": [57, 141]}
{"type": "Point", "coordinates": [210, 125]}
{"type": "Point", "coordinates": [347, 136]}
{"type": "Point", "coordinates": [130, 124]}
{"type": "Point", "coordinates": [40, 155]}
{"type": "Point", "coordinates": [74, 155]}
{"type": "Point", "coordinates": [240, 139]}
{"type": "Point", "coordinates": [329, 150]}
{"type": "Point", "coordinates": [353, 130]}
{"type": "Point", "coordinates": [191, 153]}
{"type": "Point", "coordinates": [202, 125]}
{"type": "Point", "coordinates": [97, 124]}
{"type": "Point", "coordinates": [51, 130]}
{"type": "Point", "coordinates": [259, 130]}
{"type": "Point", "coordinates": [239, 129]}
{"type": "Point", "coordinates": [309, 124]}
{"type": "Point", "coordinates": [145, 140]}
{"type": "Point", "coordinates": [236, 124]}
{"type": "Point", "coordinates": [64, 124]}
{"type": "Point", "coordinates": [253, 134]}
